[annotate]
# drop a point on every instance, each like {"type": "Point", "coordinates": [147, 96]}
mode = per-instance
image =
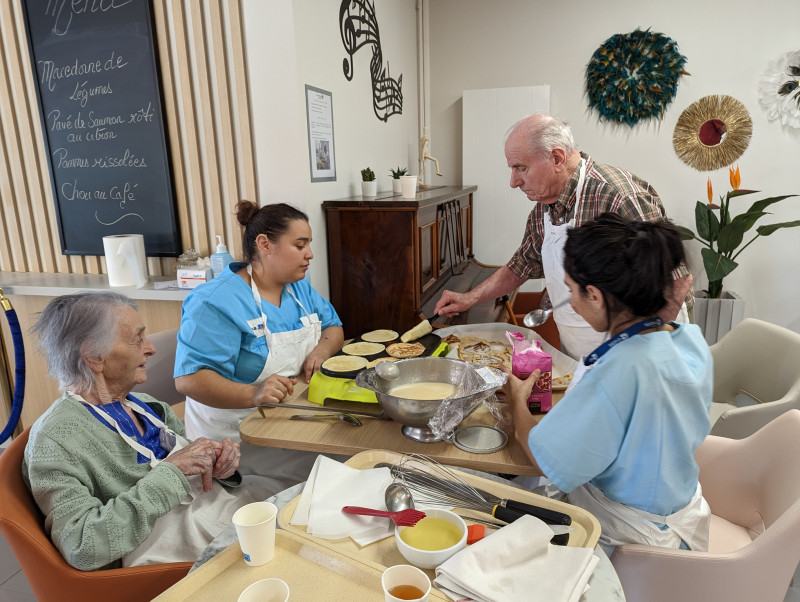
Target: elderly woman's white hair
{"type": "Point", "coordinates": [72, 327]}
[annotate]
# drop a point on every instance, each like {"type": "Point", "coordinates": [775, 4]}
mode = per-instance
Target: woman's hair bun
{"type": "Point", "coordinates": [245, 210]}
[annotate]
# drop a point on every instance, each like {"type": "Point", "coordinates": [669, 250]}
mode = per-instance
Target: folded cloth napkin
{"type": "Point", "coordinates": [517, 562]}
{"type": "Point", "coordinates": [330, 486]}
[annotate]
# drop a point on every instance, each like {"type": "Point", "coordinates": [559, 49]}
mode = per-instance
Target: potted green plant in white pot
{"type": "Point", "coordinates": [717, 310]}
{"type": "Point", "coordinates": [369, 186]}
{"type": "Point", "coordinates": [396, 173]}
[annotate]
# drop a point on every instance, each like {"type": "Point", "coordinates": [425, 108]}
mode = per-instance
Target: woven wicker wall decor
{"type": "Point", "coordinates": [708, 113]}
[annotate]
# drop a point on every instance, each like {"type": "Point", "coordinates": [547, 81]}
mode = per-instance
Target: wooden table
{"type": "Point", "coordinates": [337, 437]}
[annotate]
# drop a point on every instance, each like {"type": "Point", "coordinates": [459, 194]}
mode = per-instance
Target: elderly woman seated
{"type": "Point", "coordinates": [118, 483]}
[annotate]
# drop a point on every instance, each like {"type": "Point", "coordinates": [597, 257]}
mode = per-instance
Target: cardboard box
{"type": "Point", "coordinates": [191, 278]}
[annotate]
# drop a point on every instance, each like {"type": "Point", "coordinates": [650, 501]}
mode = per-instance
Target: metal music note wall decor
{"type": "Point", "coordinates": [359, 27]}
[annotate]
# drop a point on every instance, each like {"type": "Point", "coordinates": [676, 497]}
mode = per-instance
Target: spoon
{"type": "Point", "coordinates": [387, 370]}
{"type": "Point", "coordinates": [537, 317]}
{"type": "Point", "coordinates": [348, 418]}
{"type": "Point", "coordinates": [398, 497]}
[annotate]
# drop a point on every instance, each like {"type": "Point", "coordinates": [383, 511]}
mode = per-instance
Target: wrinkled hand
{"type": "Point", "coordinates": [199, 457]}
{"type": "Point", "coordinates": [274, 389]}
{"type": "Point", "coordinates": [517, 390]}
{"type": "Point", "coordinates": [312, 363]}
{"type": "Point", "coordinates": [450, 304]}
{"type": "Point", "coordinates": [228, 456]}
{"type": "Point", "coordinates": [675, 297]}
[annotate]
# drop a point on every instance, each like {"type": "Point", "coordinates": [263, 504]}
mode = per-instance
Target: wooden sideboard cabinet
{"type": "Point", "coordinates": [390, 258]}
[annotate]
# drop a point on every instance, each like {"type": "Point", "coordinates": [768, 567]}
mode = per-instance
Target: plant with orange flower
{"type": "Point", "coordinates": [723, 235]}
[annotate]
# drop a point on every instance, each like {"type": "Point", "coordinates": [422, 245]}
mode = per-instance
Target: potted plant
{"type": "Point", "coordinates": [396, 173]}
{"type": "Point", "coordinates": [722, 239]}
{"type": "Point", "coordinates": [369, 187]}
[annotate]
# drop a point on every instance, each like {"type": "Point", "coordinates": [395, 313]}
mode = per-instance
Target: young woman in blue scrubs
{"type": "Point", "coordinates": [248, 334]}
{"type": "Point", "coordinates": [621, 442]}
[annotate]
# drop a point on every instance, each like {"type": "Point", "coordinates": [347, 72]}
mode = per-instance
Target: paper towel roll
{"type": "Point", "coordinates": [125, 260]}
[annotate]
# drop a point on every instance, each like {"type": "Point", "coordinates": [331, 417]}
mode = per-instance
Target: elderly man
{"type": "Point", "coordinates": [568, 188]}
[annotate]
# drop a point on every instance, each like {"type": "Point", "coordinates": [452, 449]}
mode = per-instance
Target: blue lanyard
{"type": "Point", "coordinates": [622, 336]}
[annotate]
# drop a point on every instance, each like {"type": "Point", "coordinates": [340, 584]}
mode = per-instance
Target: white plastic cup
{"type": "Point", "coordinates": [408, 185]}
{"type": "Point", "coordinates": [405, 574]}
{"type": "Point", "coordinates": [266, 590]}
{"type": "Point", "coordinates": [255, 528]}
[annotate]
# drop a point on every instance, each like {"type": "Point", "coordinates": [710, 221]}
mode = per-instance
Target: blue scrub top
{"type": "Point", "coordinates": [215, 333]}
{"type": "Point", "coordinates": [632, 424]}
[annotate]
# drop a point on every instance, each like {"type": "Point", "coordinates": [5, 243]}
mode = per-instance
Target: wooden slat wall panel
{"type": "Point", "coordinates": [207, 112]}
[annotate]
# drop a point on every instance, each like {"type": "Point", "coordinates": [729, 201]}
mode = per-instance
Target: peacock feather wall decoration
{"type": "Point", "coordinates": [634, 76]}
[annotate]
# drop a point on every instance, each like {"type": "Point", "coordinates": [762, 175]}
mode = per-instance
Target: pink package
{"type": "Point", "coordinates": [527, 357]}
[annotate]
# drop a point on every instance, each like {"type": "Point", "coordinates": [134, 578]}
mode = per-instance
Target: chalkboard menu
{"type": "Point", "coordinates": [100, 102]}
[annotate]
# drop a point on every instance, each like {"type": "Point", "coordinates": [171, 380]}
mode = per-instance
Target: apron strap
{"type": "Point", "coordinates": [131, 441]}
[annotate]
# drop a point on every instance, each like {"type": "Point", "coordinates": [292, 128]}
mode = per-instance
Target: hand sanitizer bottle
{"type": "Point", "coordinates": [221, 258]}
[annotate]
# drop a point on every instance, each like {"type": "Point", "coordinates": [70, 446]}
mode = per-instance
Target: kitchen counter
{"type": "Point", "coordinates": [53, 285]}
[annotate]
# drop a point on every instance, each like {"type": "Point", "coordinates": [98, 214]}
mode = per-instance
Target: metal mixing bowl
{"type": "Point", "coordinates": [414, 414]}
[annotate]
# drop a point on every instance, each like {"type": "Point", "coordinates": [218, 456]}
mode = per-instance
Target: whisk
{"type": "Point", "coordinates": [435, 485]}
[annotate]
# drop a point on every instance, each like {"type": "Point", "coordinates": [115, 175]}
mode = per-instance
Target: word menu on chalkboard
{"type": "Point", "coordinates": [100, 102]}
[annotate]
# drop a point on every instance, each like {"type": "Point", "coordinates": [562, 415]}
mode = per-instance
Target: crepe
{"type": "Point", "coordinates": [344, 363]}
{"type": "Point", "coordinates": [401, 350]}
{"type": "Point", "coordinates": [380, 336]}
{"type": "Point", "coordinates": [362, 348]}
{"type": "Point", "coordinates": [561, 382]}
{"type": "Point", "coordinates": [483, 352]}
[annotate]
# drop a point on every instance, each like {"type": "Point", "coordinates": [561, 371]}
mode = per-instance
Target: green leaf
{"type": "Point", "coordinates": [686, 234]}
{"type": "Point", "coordinates": [764, 203]}
{"type": "Point", "coordinates": [717, 266]}
{"type": "Point", "coordinates": [707, 222]}
{"type": "Point", "coordinates": [731, 236]}
{"type": "Point", "coordinates": [770, 228]}
{"type": "Point", "coordinates": [750, 217]}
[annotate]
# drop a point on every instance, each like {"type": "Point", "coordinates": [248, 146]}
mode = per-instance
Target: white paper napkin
{"type": "Point", "coordinates": [331, 486]}
{"type": "Point", "coordinates": [514, 562]}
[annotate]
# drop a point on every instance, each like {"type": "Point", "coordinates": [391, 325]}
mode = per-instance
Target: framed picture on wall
{"type": "Point", "coordinates": [319, 114]}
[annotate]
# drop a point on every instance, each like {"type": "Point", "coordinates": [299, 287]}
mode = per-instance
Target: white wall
{"type": "Point", "coordinates": [294, 43]}
{"type": "Point", "coordinates": [488, 44]}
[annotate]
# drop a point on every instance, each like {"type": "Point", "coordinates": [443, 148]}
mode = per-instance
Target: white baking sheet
{"type": "Point", "coordinates": [496, 331]}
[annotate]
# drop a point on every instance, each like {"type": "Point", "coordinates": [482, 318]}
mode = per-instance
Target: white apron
{"type": "Point", "coordinates": [577, 337]}
{"type": "Point", "coordinates": [287, 354]}
{"type": "Point", "coordinates": [184, 532]}
{"type": "Point", "coordinates": [624, 524]}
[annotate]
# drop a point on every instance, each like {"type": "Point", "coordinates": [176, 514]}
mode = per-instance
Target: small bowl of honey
{"type": "Point", "coordinates": [432, 540]}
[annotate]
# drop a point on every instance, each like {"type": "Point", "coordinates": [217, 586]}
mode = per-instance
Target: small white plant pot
{"type": "Point", "coordinates": [397, 186]}
{"type": "Point", "coordinates": [369, 188]}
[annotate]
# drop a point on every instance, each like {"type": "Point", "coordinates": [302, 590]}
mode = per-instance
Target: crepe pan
{"type": "Point", "coordinates": [430, 341]}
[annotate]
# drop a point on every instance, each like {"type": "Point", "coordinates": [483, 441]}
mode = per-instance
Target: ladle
{"type": "Point", "coordinates": [387, 370]}
{"type": "Point", "coordinates": [537, 317]}
{"type": "Point", "coordinates": [398, 497]}
{"type": "Point", "coordinates": [348, 418]}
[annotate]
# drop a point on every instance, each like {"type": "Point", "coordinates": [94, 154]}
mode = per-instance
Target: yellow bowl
{"type": "Point", "coordinates": [430, 559]}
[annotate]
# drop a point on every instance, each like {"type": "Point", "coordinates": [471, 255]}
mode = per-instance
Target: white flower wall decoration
{"type": "Point", "coordinates": [779, 89]}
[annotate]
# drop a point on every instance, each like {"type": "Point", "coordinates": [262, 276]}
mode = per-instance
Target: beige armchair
{"type": "Point", "coordinates": [759, 363]}
{"type": "Point", "coordinates": [753, 488]}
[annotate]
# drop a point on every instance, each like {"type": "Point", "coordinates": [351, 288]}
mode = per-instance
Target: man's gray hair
{"type": "Point", "coordinates": [544, 133]}
{"type": "Point", "coordinates": [78, 325]}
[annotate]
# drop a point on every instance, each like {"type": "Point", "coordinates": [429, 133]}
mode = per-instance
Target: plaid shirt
{"type": "Point", "coordinates": [606, 188]}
